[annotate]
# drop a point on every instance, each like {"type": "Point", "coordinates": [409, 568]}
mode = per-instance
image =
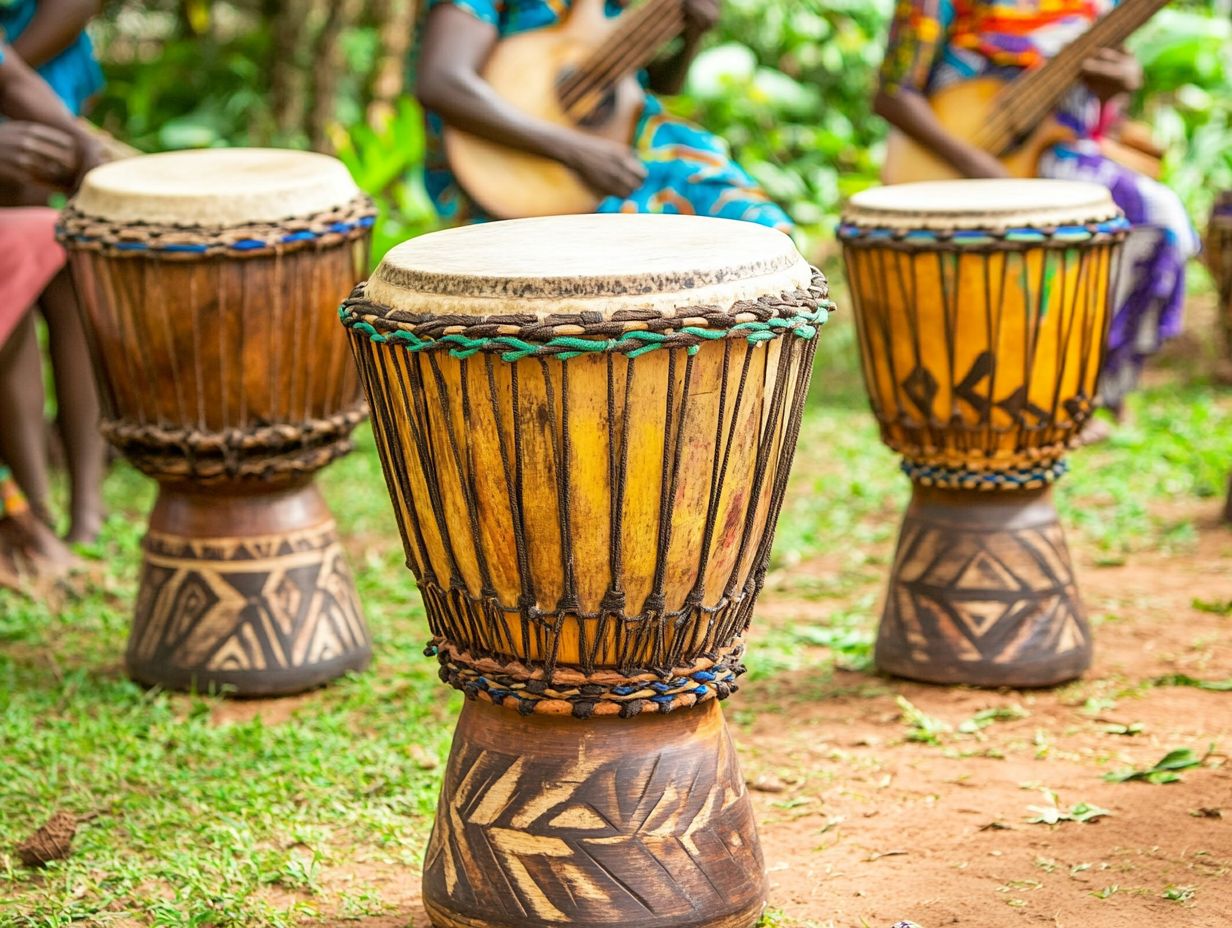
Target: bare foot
{"type": "Point", "coordinates": [85, 525]}
{"type": "Point", "coordinates": [1096, 430]}
{"type": "Point", "coordinates": [31, 556]}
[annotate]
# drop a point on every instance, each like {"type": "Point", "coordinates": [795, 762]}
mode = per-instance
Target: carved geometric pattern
{"type": "Point", "coordinates": [982, 604]}
{"type": "Point", "coordinates": [594, 836]}
{"type": "Point", "coordinates": [245, 606]}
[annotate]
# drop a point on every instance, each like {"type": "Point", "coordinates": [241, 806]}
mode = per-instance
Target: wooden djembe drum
{"type": "Point", "coordinates": [209, 284]}
{"type": "Point", "coordinates": [586, 424]}
{"type": "Point", "coordinates": [1218, 256]}
{"type": "Point", "coordinates": [982, 309]}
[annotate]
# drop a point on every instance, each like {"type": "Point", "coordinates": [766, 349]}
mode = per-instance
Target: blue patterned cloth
{"type": "Point", "coordinates": [689, 170]}
{"type": "Point", "coordinates": [73, 74]}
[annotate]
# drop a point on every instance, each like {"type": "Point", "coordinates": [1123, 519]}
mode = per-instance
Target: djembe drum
{"type": "Point", "coordinates": [586, 424]}
{"type": "Point", "coordinates": [981, 311]}
{"type": "Point", "coordinates": [1218, 255]}
{"type": "Point", "coordinates": [209, 284]}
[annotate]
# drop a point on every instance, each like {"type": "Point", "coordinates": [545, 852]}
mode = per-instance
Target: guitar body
{"type": "Point", "coordinates": [523, 69]}
{"type": "Point", "coordinates": [964, 109]}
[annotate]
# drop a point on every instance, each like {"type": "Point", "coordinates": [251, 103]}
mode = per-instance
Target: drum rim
{"type": "Point", "coordinates": [123, 203]}
{"type": "Point", "coordinates": [870, 209]}
{"type": "Point", "coordinates": [425, 271]}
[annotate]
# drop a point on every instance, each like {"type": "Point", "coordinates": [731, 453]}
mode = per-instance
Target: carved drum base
{"type": "Point", "coordinates": [982, 593]}
{"type": "Point", "coordinates": [244, 591]}
{"type": "Point", "coordinates": [639, 823]}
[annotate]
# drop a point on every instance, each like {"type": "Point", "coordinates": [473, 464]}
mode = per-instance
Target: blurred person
{"type": "Point", "coordinates": [934, 44]}
{"type": "Point", "coordinates": [670, 166]}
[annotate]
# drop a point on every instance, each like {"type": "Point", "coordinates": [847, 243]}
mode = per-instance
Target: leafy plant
{"type": "Point", "coordinates": [920, 726]}
{"type": "Point", "coordinates": [1052, 814]}
{"type": "Point", "coordinates": [986, 717]}
{"type": "Point", "coordinates": [1166, 770]}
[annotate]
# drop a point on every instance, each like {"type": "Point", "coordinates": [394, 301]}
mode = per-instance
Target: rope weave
{"type": "Point", "coordinates": [962, 478]}
{"type": "Point", "coordinates": [630, 332]}
{"type": "Point", "coordinates": [350, 221]}
{"type": "Point", "coordinates": [605, 692]}
{"type": "Point", "coordinates": [264, 452]}
{"type": "Point", "coordinates": [1013, 239]}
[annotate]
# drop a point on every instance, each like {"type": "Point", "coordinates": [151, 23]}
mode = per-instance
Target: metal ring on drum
{"type": "Point", "coordinates": [982, 309]}
{"type": "Point", "coordinates": [586, 424]}
{"type": "Point", "coordinates": [209, 283]}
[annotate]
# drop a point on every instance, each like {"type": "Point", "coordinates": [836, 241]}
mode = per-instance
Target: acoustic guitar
{"type": "Point", "coordinates": [1012, 119]}
{"type": "Point", "coordinates": [580, 73]}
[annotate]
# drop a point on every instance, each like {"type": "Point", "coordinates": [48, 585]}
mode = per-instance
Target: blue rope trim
{"type": "Point", "coordinates": [240, 245]}
{"type": "Point", "coordinates": [848, 231]}
{"type": "Point", "coordinates": [962, 478]}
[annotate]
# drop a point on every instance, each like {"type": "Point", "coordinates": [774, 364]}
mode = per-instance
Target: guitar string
{"type": "Point", "coordinates": [628, 52]}
{"type": "Point", "coordinates": [624, 56]}
{"type": "Point", "coordinates": [1035, 94]}
{"type": "Point", "coordinates": [627, 34]}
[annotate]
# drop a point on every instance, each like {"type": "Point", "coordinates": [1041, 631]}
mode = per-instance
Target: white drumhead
{"type": "Point", "coordinates": [215, 187]}
{"type": "Point", "coordinates": [994, 205]}
{"type": "Point", "coordinates": [599, 262]}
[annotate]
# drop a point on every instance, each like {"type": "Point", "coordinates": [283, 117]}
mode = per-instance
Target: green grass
{"type": "Point", "coordinates": [253, 824]}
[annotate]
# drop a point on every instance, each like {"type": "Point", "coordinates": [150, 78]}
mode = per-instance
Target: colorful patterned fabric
{"type": "Point", "coordinates": [936, 43]}
{"type": "Point", "coordinates": [73, 74]}
{"type": "Point", "coordinates": [12, 502]}
{"type": "Point", "coordinates": [689, 170]}
{"type": "Point", "coordinates": [29, 258]}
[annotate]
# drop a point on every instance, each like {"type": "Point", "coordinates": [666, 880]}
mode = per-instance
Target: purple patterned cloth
{"type": "Point", "coordinates": [1150, 296]}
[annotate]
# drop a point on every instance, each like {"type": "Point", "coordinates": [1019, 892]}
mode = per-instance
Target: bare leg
{"type": "Point", "coordinates": [23, 443]}
{"type": "Point", "coordinates": [77, 401]}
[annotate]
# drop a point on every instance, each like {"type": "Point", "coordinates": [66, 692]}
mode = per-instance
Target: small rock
{"type": "Point", "coordinates": [767, 783]}
{"type": "Point", "coordinates": [53, 841]}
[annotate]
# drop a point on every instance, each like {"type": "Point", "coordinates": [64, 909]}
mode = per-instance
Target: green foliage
{"type": "Point", "coordinates": [1187, 58]}
{"type": "Point", "coordinates": [1166, 770]}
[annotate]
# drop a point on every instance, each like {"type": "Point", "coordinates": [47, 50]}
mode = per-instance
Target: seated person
{"type": "Point", "coordinates": [670, 167]}
{"type": "Point", "coordinates": [936, 43]}
{"type": "Point", "coordinates": [40, 144]}
{"type": "Point", "coordinates": [50, 33]}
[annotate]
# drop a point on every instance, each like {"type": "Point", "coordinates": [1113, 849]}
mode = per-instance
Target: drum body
{"type": "Point", "coordinates": [1217, 254]}
{"type": "Point", "coordinates": [586, 424]}
{"type": "Point", "coordinates": [212, 318]}
{"type": "Point", "coordinates": [982, 308]}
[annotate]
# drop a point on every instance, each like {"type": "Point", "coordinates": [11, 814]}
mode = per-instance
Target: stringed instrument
{"type": "Point", "coordinates": [580, 73]}
{"type": "Point", "coordinates": [1013, 118]}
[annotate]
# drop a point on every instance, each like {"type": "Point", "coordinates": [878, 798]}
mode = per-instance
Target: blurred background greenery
{"type": "Point", "coordinates": [786, 82]}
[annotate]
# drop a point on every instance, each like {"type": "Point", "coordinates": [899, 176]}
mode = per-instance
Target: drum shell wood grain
{"type": "Point", "coordinates": [221, 345]}
{"type": "Point", "coordinates": [446, 429]}
{"type": "Point", "coordinates": [981, 359]}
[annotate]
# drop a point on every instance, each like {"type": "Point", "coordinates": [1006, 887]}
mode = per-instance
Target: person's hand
{"type": "Point", "coordinates": [975, 162]}
{"type": "Point", "coordinates": [607, 167]}
{"type": "Point", "coordinates": [91, 153]}
{"type": "Point", "coordinates": [1111, 72]}
{"type": "Point", "coordinates": [700, 15]}
{"type": "Point", "coordinates": [31, 152]}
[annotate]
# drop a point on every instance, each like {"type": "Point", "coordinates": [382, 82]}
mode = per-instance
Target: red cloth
{"type": "Point", "coordinates": [29, 258]}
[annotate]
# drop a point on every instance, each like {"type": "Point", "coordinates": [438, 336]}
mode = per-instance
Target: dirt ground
{"type": "Point", "coordinates": [862, 827]}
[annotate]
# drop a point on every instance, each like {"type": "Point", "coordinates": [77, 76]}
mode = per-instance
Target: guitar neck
{"type": "Point", "coordinates": [1032, 96]}
{"type": "Point", "coordinates": [638, 36]}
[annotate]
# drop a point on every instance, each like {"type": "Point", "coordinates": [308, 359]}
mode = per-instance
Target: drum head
{"type": "Point", "coordinates": [600, 263]}
{"type": "Point", "coordinates": [993, 205]}
{"type": "Point", "coordinates": [215, 187]}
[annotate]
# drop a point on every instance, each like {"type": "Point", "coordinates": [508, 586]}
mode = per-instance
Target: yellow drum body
{"type": "Point", "coordinates": [982, 309]}
{"type": "Point", "coordinates": [586, 424]}
{"type": "Point", "coordinates": [981, 345]}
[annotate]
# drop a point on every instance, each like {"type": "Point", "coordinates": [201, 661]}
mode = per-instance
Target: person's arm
{"type": "Point", "coordinates": [41, 137]}
{"type": "Point", "coordinates": [916, 35]}
{"type": "Point", "coordinates": [908, 112]}
{"type": "Point", "coordinates": [55, 26]}
{"type": "Point", "coordinates": [667, 74]}
{"type": "Point", "coordinates": [454, 47]}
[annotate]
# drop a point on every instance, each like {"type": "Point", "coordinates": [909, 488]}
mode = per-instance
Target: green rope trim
{"type": "Point", "coordinates": [803, 325]}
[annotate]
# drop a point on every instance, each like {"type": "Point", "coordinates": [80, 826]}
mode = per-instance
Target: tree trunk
{"type": "Point", "coordinates": [395, 21]}
{"type": "Point", "coordinates": [327, 64]}
{"type": "Point", "coordinates": [288, 87]}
